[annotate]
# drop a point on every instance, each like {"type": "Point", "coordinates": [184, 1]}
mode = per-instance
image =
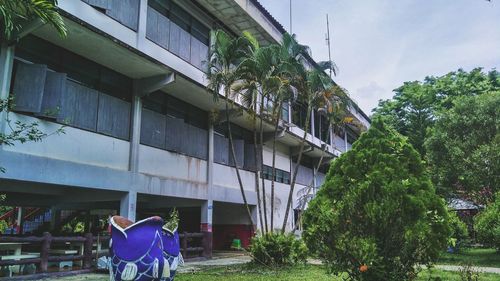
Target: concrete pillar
{"type": "Point", "coordinates": [20, 219]}
{"type": "Point", "coordinates": [312, 123]}
{"type": "Point", "coordinates": [207, 206]}
{"type": "Point", "coordinates": [136, 134]}
{"type": "Point", "coordinates": [6, 63]}
{"type": "Point", "coordinates": [128, 204]}
{"type": "Point", "coordinates": [141, 29]}
{"type": "Point", "coordinates": [206, 216]}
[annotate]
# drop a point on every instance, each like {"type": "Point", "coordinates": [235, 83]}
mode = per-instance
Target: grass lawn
{"type": "Point", "coordinates": [302, 273]}
{"type": "Point", "coordinates": [248, 272]}
{"type": "Point", "coordinates": [476, 256]}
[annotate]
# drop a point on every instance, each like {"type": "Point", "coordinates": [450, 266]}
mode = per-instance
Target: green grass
{"type": "Point", "coordinates": [475, 256]}
{"type": "Point", "coordinates": [302, 273]}
{"type": "Point", "coordinates": [253, 273]}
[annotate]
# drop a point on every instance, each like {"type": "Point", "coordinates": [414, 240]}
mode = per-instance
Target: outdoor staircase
{"type": "Point", "coordinates": [35, 219]}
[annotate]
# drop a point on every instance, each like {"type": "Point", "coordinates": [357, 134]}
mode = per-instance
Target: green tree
{"type": "Point", "coordinates": [377, 217]}
{"type": "Point", "coordinates": [16, 14]}
{"type": "Point", "coordinates": [487, 224]}
{"type": "Point", "coordinates": [224, 61]}
{"type": "Point", "coordinates": [463, 148]}
{"type": "Point", "coordinates": [413, 108]}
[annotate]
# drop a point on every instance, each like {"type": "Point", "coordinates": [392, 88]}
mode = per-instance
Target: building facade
{"type": "Point", "coordinates": [128, 87]}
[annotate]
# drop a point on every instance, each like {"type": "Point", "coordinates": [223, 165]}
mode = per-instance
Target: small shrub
{"type": "Point", "coordinates": [469, 273]}
{"type": "Point", "coordinates": [377, 216]}
{"type": "Point", "coordinates": [487, 224]}
{"type": "Point", "coordinates": [459, 233]}
{"type": "Point", "coordinates": [276, 249]}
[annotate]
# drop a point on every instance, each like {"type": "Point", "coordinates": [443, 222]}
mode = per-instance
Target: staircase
{"type": "Point", "coordinates": [34, 219]}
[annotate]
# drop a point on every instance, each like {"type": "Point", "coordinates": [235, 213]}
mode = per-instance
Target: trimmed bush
{"type": "Point", "coordinates": [377, 216]}
{"type": "Point", "coordinates": [487, 224]}
{"type": "Point", "coordinates": [275, 249]}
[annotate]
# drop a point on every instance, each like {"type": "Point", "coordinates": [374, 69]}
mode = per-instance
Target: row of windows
{"type": "Point", "coordinates": [279, 175]}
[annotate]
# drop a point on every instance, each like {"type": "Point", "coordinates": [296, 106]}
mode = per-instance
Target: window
{"type": "Point", "coordinates": [125, 12]}
{"type": "Point", "coordinates": [172, 28]}
{"type": "Point", "coordinates": [171, 124]}
{"type": "Point", "coordinates": [299, 112]}
{"type": "Point", "coordinates": [243, 147]}
{"type": "Point", "coordinates": [279, 175]}
{"type": "Point", "coordinates": [58, 84]}
{"type": "Point", "coordinates": [321, 126]}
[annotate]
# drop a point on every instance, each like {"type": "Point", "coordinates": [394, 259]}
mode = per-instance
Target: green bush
{"type": "Point", "coordinates": [459, 232]}
{"type": "Point", "coordinates": [487, 224]}
{"type": "Point", "coordinates": [275, 249]}
{"type": "Point", "coordinates": [377, 216]}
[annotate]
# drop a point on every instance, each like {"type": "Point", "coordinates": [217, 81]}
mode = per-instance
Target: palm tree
{"type": "Point", "coordinates": [224, 61]}
{"type": "Point", "coordinates": [316, 89]}
{"type": "Point", "coordinates": [15, 14]}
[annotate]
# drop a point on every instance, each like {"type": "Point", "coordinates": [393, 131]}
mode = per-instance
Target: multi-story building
{"type": "Point", "coordinates": [129, 88]}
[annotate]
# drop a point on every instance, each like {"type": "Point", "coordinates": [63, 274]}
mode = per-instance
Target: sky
{"type": "Point", "coordinates": [379, 44]}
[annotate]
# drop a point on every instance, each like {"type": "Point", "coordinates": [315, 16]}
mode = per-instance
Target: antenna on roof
{"type": "Point", "coordinates": [290, 17]}
{"type": "Point", "coordinates": [328, 43]}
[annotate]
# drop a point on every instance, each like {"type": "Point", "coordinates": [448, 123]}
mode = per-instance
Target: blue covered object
{"type": "Point", "coordinates": [143, 251]}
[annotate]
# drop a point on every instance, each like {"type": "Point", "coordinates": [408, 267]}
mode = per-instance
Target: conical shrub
{"type": "Point", "coordinates": [377, 215]}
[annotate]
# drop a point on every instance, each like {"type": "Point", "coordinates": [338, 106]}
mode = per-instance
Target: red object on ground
{"type": "Point", "coordinates": [223, 235]}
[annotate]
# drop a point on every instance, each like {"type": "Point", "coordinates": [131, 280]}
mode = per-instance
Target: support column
{"type": "Point", "coordinates": [20, 219]}
{"type": "Point", "coordinates": [345, 140]}
{"type": "Point", "coordinates": [128, 204]}
{"type": "Point", "coordinates": [136, 134]}
{"type": "Point", "coordinates": [141, 29]}
{"type": "Point", "coordinates": [6, 63]}
{"type": "Point", "coordinates": [312, 123]}
{"type": "Point", "coordinates": [207, 206]}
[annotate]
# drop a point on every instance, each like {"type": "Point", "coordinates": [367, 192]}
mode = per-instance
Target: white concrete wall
{"type": "Point", "coordinates": [165, 164]}
{"type": "Point", "coordinates": [75, 145]}
{"type": "Point", "coordinates": [225, 176]}
{"type": "Point", "coordinates": [282, 156]}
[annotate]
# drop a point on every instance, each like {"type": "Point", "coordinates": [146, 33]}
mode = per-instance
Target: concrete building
{"type": "Point", "coordinates": [128, 85]}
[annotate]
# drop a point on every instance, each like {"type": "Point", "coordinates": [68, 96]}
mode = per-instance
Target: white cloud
{"type": "Point", "coordinates": [379, 44]}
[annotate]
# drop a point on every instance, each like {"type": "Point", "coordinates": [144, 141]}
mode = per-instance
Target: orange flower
{"type": "Point", "coordinates": [363, 268]}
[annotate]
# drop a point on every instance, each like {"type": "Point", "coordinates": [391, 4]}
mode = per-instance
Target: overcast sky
{"type": "Point", "coordinates": [379, 44]}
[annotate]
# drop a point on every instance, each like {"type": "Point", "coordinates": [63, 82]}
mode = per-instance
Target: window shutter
{"type": "Point", "coordinates": [185, 45]}
{"type": "Point", "coordinates": [28, 87]}
{"type": "Point", "coordinates": [79, 106]}
{"type": "Point", "coordinates": [175, 128]}
{"type": "Point", "coordinates": [102, 4]}
{"type": "Point", "coordinates": [174, 39]}
{"type": "Point", "coordinates": [221, 149]}
{"type": "Point", "coordinates": [113, 116]}
{"type": "Point", "coordinates": [153, 128]}
{"type": "Point", "coordinates": [249, 162]}
{"type": "Point", "coordinates": [239, 151]}
{"type": "Point", "coordinates": [125, 11]}
{"type": "Point", "coordinates": [55, 88]}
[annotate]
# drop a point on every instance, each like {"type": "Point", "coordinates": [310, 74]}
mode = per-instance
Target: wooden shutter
{"type": "Point", "coordinates": [79, 106]}
{"type": "Point", "coordinates": [28, 87]}
{"type": "Point", "coordinates": [113, 117]}
{"type": "Point", "coordinates": [102, 4]}
{"type": "Point", "coordinates": [221, 149]}
{"type": "Point", "coordinates": [125, 11]}
{"type": "Point", "coordinates": [153, 128]}
{"type": "Point", "coordinates": [174, 39]}
{"type": "Point", "coordinates": [239, 151]}
{"type": "Point", "coordinates": [175, 129]}
{"type": "Point", "coordinates": [55, 88]}
{"type": "Point", "coordinates": [185, 45]}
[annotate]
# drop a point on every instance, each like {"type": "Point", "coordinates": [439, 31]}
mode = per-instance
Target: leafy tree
{"type": "Point", "coordinates": [463, 148]}
{"type": "Point", "coordinates": [487, 224]}
{"type": "Point", "coordinates": [377, 215]}
{"type": "Point", "coordinates": [413, 108]}
{"type": "Point", "coordinates": [458, 228]}
{"type": "Point", "coordinates": [15, 14]}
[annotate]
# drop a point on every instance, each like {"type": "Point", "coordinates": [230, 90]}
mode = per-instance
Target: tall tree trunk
{"type": "Point", "coordinates": [258, 170]}
{"type": "Point", "coordinates": [264, 201]}
{"type": "Point", "coordinates": [296, 169]}
{"type": "Point", "coordinates": [276, 125]}
{"type": "Point", "coordinates": [233, 156]}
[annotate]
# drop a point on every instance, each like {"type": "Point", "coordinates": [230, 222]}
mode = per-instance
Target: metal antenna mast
{"type": "Point", "coordinates": [290, 17]}
{"type": "Point", "coordinates": [328, 43]}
